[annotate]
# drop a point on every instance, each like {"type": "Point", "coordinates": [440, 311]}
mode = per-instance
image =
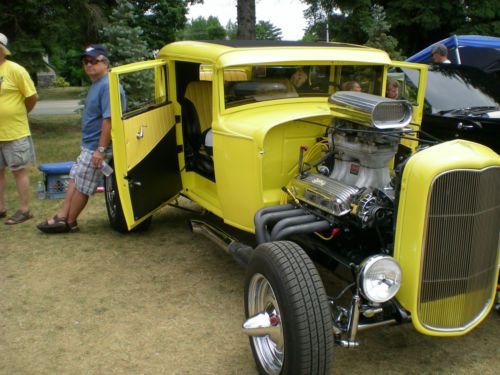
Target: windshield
{"type": "Point", "coordinates": [454, 88]}
{"type": "Point", "coordinates": [257, 83]}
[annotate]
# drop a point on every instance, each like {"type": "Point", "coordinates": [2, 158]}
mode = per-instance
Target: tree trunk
{"type": "Point", "coordinates": [246, 19]}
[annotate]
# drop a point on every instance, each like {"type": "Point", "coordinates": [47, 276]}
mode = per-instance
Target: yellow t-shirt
{"type": "Point", "coordinates": [15, 86]}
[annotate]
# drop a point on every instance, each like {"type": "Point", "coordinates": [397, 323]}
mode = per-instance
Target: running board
{"type": "Point", "coordinates": [240, 252]}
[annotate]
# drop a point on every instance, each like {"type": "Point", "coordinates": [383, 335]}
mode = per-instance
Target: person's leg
{"type": "Point", "coordinates": [16, 155]}
{"type": "Point", "coordinates": [23, 188]}
{"type": "Point", "coordinates": [84, 178]}
{"type": "Point", "coordinates": [2, 190]}
{"type": "Point", "coordinates": [78, 203]}
{"type": "Point", "coordinates": [63, 212]}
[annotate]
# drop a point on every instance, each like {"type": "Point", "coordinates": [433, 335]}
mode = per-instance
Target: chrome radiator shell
{"type": "Point", "coordinates": [460, 249]}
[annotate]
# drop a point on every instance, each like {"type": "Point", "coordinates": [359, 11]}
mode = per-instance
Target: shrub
{"type": "Point", "coordinates": [60, 82]}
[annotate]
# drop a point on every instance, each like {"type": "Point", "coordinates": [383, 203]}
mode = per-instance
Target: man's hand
{"type": "Point", "coordinates": [97, 158]}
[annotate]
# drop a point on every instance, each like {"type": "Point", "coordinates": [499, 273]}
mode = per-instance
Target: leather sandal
{"type": "Point", "coordinates": [3, 214]}
{"type": "Point", "coordinates": [73, 227]}
{"type": "Point", "coordinates": [59, 225]}
{"type": "Point", "coordinates": [19, 217]}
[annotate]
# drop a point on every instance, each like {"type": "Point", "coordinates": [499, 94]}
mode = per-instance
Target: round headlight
{"type": "Point", "coordinates": [379, 278]}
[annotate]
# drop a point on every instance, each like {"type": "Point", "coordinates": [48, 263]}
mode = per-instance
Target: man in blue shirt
{"type": "Point", "coordinates": [95, 148]}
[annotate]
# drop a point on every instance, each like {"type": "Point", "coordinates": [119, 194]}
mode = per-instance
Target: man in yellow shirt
{"type": "Point", "coordinates": [17, 97]}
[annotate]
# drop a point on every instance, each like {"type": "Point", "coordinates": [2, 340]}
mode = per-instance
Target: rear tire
{"type": "Point", "coordinates": [283, 282]}
{"type": "Point", "coordinates": [114, 208]}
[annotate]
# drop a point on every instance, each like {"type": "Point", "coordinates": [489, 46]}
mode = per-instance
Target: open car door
{"type": "Point", "coordinates": [143, 134]}
{"type": "Point", "coordinates": [411, 78]}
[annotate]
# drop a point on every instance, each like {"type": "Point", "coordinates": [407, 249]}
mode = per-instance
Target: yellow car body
{"type": "Point", "coordinates": [256, 140]}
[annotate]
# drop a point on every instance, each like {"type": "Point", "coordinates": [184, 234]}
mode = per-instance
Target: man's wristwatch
{"type": "Point", "coordinates": [101, 149]}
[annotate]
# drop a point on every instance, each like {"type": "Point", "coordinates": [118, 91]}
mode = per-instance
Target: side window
{"type": "Point", "coordinates": [258, 83]}
{"type": "Point", "coordinates": [360, 78]}
{"type": "Point", "coordinates": [403, 84]}
{"type": "Point", "coordinates": [140, 90]}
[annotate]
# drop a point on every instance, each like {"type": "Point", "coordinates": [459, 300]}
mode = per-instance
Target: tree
{"type": "Point", "coordinates": [161, 20]}
{"type": "Point", "coordinates": [265, 30]}
{"type": "Point", "coordinates": [38, 27]}
{"type": "Point", "coordinates": [232, 30]}
{"type": "Point", "coordinates": [343, 17]}
{"type": "Point", "coordinates": [246, 19]}
{"type": "Point", "coordinates": [415, 24]}
{"type": "Point", "coordinates": [125, 43]}
{"type": "Point", "coordinates": [62, 28]}
{"type": "Point", "coordinates": [421, 23]}
{"type": "Point", "coordinates": [122, 37]}
{"type": "Point", "coordinates": [378, 33]}
{"type": "Point", "coordinates": [204, 29]}
{"type": "Point", "coordinates": [482, 17]}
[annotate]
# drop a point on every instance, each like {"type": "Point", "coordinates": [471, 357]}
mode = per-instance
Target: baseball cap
{"type": "Point", "coordinates": [95, 50]}
{"type": "Point", "coordinates": [3, 43]}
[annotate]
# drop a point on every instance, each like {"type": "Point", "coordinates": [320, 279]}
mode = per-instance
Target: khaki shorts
{"type": "Point", "coordinates": [16, 154]}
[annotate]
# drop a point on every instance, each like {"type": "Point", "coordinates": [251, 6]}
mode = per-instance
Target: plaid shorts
{"type": "Point", "coordinates": [86, 176]}
{"type": "Point", "coordinates": [17, 154]}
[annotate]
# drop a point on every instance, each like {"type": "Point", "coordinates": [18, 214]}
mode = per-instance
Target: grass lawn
{"type": "Point", "coordinates": [56, 137]}
{"type": "Point", "coordinates": [99, 302]}
{"type": "Point", "coordinates": [60, 93]}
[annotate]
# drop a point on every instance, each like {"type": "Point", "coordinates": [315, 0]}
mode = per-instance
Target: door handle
{"type": "Point", "coordinates": [471, 125]}
{"type": "Point", "coordinates": [133, 184]}
{"type": "Point", "coordinates": [140, 133]}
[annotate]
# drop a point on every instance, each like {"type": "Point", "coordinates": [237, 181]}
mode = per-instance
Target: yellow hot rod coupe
{"type": "Point", "coordinates": [296, 146]}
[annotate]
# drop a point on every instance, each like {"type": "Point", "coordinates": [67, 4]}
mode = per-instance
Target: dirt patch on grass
{"type": "Point", "coordinates": [167, 302]}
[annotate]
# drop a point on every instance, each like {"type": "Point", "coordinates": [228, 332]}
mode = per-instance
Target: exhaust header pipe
{"type": "Point", "coordinates": [239, 251]}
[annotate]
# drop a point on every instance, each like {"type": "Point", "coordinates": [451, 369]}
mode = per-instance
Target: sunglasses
{"type": "Point", "coordinates": [91, 61]}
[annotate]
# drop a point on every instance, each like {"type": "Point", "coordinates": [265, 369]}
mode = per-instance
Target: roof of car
{"type": "Point", "coordinates": [244, 52]}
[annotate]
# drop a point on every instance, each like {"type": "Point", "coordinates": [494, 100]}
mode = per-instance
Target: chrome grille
{"type": "Point", "coordinates": [460, 249]}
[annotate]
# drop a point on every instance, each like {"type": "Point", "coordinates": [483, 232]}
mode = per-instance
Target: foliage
{"type": "Point", "coordinates": [232, 30]}
{"type": "Point", "coordinates": [161, 20]}
{"type": "Point", "coordinates": [38, 27]}
{"type": "Point", "coordinates": [122, 37]}
{"type": "Point", "coordinates": [377, 30]}
{"type": "Point", "coordinates": [481, 18]}
{"type": "Point", "coordinates": [414, 24]}
{"type": "Point", "coordinates": [418, 24]}
{"type": "Point", "coordinates": [60, 82]}
{"type": "Point", "coordinates": [63, 28]}
{"type": "Point", "coordinates": [265, 30]}
{"type": "Point", "coordinates": [125, 44]}
{"type": "Point", "coordinates": [204, 29]}
{"type": "Point", "coordinates": [344, 18]}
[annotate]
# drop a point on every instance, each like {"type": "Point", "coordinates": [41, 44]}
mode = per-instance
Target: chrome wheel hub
{"type": "Point", "coordinates": [264, 325]}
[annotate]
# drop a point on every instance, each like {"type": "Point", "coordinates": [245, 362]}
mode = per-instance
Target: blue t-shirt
{"type": "Point", "coordinates": [96, 109]}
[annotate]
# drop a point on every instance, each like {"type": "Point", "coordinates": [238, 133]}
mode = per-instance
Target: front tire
{"type": "Point", "coordinates": [283, 283]}
{"type": "Point", "coordinates": [114, 208]}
